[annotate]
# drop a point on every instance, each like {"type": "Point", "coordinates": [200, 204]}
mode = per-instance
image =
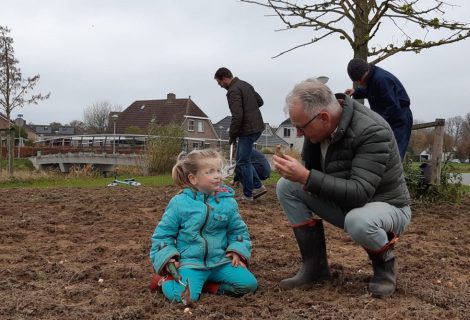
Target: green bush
{"type": "Point", "coordinates": [449, 190]}
{"type": "Point", "coordinates": [163, 147]}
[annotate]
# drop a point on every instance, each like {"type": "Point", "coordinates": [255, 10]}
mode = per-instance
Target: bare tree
{"type": "Point", "coordinates": [96, 115]}
{"type": "Point", "coordinates": [454, 128]}
{"type": "Point", "coordinates": [78, 125]}
{"type": "Point", "coordinates": [14, 89]}
{"type": "Point", "coordinates": [359, 21]}
{"type": "Point", "coordinates": [463, 147]}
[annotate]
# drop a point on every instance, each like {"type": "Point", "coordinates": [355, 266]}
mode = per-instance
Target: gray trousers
{"type": "Point", "coordinates": [367, 225]}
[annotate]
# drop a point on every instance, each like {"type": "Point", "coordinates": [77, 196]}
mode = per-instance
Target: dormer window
{"type": "Point", "coordinates": [200, 126]}
{"type": "Point", "coordinates": [190, 125]}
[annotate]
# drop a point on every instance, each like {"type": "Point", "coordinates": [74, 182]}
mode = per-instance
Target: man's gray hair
{"type": "Point", "coordinates": [313, 94]}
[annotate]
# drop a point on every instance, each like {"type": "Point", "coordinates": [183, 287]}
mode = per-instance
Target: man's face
{"type": "Point", "coordinates": [313, 127]}
{"type": "Point", "coordinates": [223, 83]}
{"type": "Point", "coordinates": [363, 81]}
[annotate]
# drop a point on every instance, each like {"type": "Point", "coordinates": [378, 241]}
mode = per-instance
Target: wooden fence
{"type": "Point", "coordinates": [436, 150]}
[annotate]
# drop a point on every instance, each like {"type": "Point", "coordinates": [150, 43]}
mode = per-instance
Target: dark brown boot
{"type": "Point", "coordinates": [314, 269]}
{"type": "Point", "coordinates": [384, 281]}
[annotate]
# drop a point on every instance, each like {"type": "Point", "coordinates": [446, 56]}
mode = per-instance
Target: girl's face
{"type": "Point", "coordinates": [209, 176]}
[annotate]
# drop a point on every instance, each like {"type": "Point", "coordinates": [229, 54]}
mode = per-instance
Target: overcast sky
{"type": "Point", "coordinates": [121, 51]}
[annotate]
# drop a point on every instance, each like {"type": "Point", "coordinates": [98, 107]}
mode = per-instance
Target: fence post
{"type": "Point", "coordinates": [436, 152]}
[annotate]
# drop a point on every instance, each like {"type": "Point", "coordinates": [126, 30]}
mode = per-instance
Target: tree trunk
{"type": "Point", "coordinates": [11, 150]}
{"type": "Point", "coordinates": [361, 29]}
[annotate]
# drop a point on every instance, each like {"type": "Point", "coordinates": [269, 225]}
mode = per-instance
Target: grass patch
{"type": "Point", "coordinates": [62, 181]}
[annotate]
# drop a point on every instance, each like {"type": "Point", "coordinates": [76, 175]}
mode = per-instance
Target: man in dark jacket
{"type": "Point", "coordinates": [247, 125]}
{"type": "Point", "coordinates": [386, 96]}
{"type": "Point", "coordinates": [352, 178]}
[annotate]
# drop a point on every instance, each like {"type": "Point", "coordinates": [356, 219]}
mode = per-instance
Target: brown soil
{"type": "Point", "coordinates": [56, 244]}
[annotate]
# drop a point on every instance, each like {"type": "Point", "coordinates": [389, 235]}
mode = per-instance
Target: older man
{"type": "Point", "coordinates": [352, 178]}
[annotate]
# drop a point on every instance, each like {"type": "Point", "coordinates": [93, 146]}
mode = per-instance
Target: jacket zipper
{"type": "Point", "coordinates": [202, 227]}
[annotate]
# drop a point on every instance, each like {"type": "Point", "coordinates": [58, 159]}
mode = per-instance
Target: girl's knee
{"type": "Point", "coordinates": [172, 291]}
{"type": "Point", "coordinates": [251, 285]}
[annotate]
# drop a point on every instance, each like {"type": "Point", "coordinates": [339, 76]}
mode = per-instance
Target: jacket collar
{"type": "Point", "coordinates": [224, 191]}
{"type": "Point", "coordinates": [234, 80]}
{"type": "Point", "coordinates": [370, 74]}
{"type": "Point", "coordinates": [348, 110]}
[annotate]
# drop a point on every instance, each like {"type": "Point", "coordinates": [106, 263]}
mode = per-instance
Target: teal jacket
{"type": "Point", "coordinates": [199, 230]}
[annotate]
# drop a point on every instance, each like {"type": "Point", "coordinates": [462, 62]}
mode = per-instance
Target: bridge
{"type": "Point", "coordinates": [100, 161]}
{"type": "Point", "coordinates": [103, 151]}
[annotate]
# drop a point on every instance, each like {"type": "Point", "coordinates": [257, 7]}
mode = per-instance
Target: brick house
{"type": "Point", "coordinates": [199, 131]}
{"type": "Point", "coordinates": [4, 125]}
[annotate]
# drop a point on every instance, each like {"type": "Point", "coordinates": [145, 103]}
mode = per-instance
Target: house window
{"type": "Point", "coordinates": [200, 126]}
{"type": "Point", "coordinates": [190, 125]}
{"type": "Point", "coordinates": [286, 132]}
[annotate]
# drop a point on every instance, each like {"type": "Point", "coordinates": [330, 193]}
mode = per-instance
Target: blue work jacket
{"type": "Point", "coordinates": [386, 96]}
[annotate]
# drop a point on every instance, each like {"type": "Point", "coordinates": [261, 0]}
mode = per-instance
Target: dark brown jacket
{"type": "Point", "coordinates": [244, 103]}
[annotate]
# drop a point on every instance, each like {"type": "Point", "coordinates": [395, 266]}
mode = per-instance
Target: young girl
{"type": "Point", "coordinates": [202, 233]}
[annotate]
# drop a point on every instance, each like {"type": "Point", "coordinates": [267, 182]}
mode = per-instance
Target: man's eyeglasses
{"type": "Point", "coordinates": [301, 129]}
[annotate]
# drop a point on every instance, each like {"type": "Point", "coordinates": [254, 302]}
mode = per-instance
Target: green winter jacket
{"type": "Point", "coordinates": [362, 163]}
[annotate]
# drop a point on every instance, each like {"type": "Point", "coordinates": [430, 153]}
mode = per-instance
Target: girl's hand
{"type": "Point", "coordinates": [177, 264]}
{"type": "Point", "coordinates": [236, 260]}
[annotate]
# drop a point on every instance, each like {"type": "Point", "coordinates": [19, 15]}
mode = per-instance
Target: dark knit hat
{"type": "Point", "coordinates": [356, 69]}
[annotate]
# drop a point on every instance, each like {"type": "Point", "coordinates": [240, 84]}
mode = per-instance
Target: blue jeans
{"type": "Point", "coordinates": [234, 281]}
{"type": "Point", "coordinates": [248, 176]}
{"type": "Point", "coordinates": [367, 225]}
{"type": "Point", "coordinates": [402, 133]}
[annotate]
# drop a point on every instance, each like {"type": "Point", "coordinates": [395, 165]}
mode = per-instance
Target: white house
{"type": "Point", "coordinates": [289, 133]}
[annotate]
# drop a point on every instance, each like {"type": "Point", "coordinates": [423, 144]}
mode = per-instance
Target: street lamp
{"type": "Point", "coordinates": [220, 136]}
{"type": "Point", "coordinates": [19, 123]}
{"type": "Point", "coordinates": [114, 116]}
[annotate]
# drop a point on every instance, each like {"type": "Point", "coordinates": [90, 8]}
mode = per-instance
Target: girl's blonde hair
{"type": "Point", "coordinates": [190, 163]}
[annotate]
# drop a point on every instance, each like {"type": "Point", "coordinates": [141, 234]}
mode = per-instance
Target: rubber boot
{"type": "Point", "coordinates": [211, 287]}
{"type": "Point", "coordinates": [157, 282]}
{"type": "Point", "coordinates": [311, 240]}
{"type": "Point", "coordinates": [384, 264]}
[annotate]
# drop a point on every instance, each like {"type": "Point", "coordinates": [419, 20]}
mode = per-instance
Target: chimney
{"type": "Point", "coordinates": [170, 97]}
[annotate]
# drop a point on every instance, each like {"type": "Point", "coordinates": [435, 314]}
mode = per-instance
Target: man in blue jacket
{"type": "Point", "coordinates": [386, 96]}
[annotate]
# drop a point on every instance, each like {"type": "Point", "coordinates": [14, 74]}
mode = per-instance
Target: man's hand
{"type": "Point", "coordinates": [232, 141]}
{"type": "Point", "coordinates": [236, 259]}
{"type": "Point", "coordinates": [349, 92]}
{"type": "Point", "coordinates": [291, 169]}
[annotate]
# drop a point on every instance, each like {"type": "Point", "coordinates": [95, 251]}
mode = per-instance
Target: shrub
{"type": "Point", "coordinates": [449, 190]}
{"type": "Point", "coordinates": [163, 147]}
{"type": "Point", "coordinates": [267, 150]}
{"type": "Point", "coordinates": [80, 171]}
